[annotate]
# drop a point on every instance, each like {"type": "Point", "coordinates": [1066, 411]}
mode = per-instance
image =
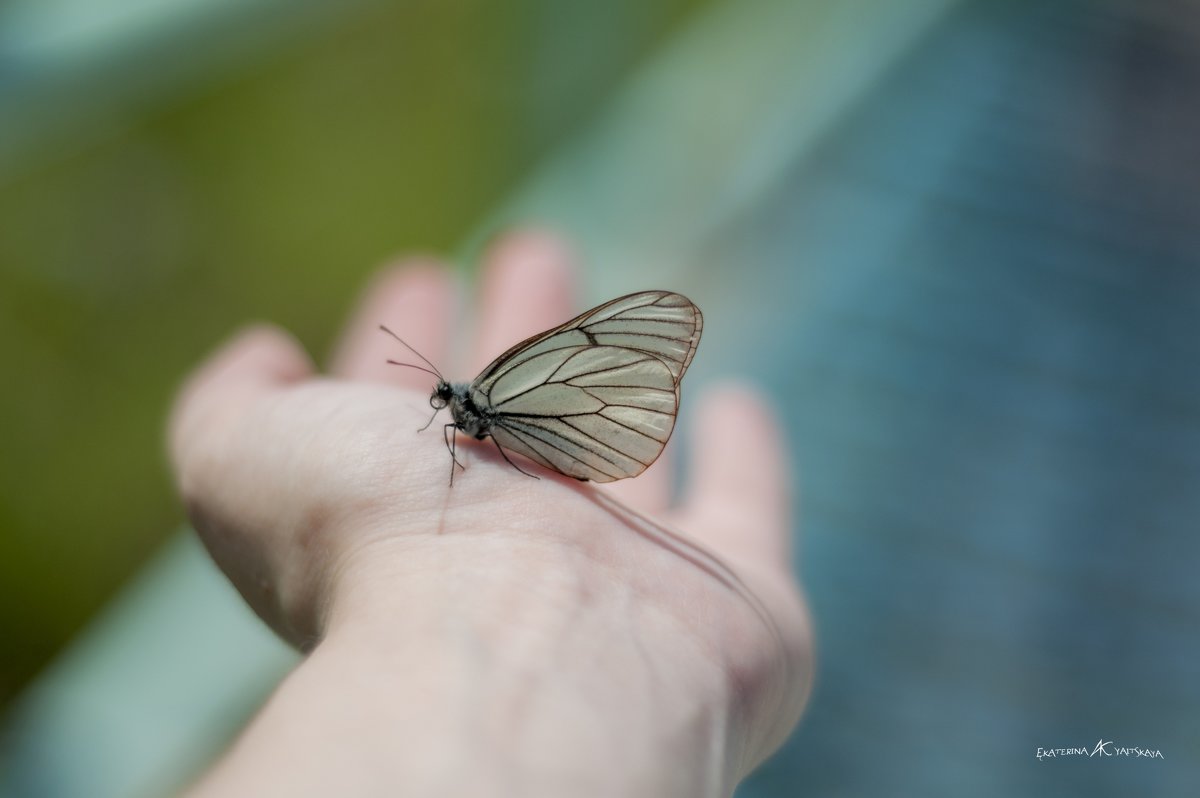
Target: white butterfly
{"type": "Point", "coordinates": [594, 398]}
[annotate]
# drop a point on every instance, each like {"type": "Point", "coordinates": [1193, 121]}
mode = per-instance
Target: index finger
{"type": "Point", "coordinates": [415, 300]}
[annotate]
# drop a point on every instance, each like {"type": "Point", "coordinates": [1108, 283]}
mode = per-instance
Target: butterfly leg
{"type": "Point", "coordinates": [452, 445]}
{"type": "Point", "coordinates": [430, 421]}
{"type": "Point", "coordinates": [510, 462]}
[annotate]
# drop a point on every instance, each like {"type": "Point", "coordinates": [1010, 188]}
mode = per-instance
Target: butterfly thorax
{"type": "Point", "coordinates": [467, 416]}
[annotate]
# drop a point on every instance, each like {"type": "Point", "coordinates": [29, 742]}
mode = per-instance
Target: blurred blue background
{"type": "Point", "coordinates": [958, 241]}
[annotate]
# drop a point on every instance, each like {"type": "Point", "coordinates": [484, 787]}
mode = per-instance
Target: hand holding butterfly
{"type": "Point", "coordinates": [505, 635]}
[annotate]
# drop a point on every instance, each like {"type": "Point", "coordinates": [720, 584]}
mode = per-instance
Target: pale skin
{"type": "Point", "coordinates": [507, 635]}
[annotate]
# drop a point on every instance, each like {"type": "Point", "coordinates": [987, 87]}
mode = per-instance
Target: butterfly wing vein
{"type": "Point", "coordinates": [595, 398]}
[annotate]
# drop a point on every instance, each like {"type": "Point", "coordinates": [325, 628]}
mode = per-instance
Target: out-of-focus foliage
{"type": "Point", "coordinates": [267, 189]}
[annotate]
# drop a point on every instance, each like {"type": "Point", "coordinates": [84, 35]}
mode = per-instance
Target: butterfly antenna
{"type": "Point", "coordinates": [418, 368]}
{"type": "Point", "coordinates": [435, 371]}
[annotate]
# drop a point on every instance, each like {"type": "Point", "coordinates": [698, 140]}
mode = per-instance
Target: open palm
{"type": "Point", "coordinates": [328, 510]}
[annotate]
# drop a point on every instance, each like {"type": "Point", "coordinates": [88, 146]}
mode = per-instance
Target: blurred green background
{"type": "Point", "coordinates": [201, 165]}
{"type": "Point", "coordinates": [957, 240]}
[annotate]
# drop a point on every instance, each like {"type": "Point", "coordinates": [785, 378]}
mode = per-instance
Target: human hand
{"type": "Point", "coordinates": [505, 634]}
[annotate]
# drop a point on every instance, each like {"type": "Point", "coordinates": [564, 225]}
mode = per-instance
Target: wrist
{"type": "Point", "coordinates": [519, 662]}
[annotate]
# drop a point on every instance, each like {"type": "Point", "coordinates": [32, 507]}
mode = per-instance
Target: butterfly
{"type": "Point", "coordinates": [594, 398]}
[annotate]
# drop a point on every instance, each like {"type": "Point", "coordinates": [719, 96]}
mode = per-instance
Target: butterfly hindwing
{"type": "Point", "coordinates": [591, 412]}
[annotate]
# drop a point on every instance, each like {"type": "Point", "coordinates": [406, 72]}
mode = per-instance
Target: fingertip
{"type": "Point", "coordinates": [253, 360]}
{"type": "Point", "coordinates": [738, 411]}
{"type": "Point", "coordinates": [740, 467]}
{"type": "Point", "coordinates": [528, 286]}
{"type": "Point", "coordinates": [421, 272]}
{"type": "Point", "coordinates": [258, 353]}
{"type": "Point", "coordinates": [413, 297]}
{"type": "Point", "coordinates": [529, 253]}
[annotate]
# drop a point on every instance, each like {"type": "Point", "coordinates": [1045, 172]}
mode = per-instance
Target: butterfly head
{"type": "Point", "coordinates": [441, 395]}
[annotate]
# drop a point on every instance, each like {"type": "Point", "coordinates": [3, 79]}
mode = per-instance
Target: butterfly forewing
{"type": "Point", "coordinates": [659, 323]}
